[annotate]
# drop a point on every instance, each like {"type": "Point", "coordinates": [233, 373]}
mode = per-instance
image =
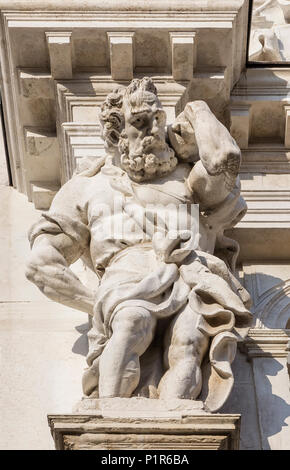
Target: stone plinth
{"type": "Point", "coordinates": [139, 423]}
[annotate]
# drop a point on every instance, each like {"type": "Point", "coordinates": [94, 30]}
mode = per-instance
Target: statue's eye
{"type": "Point", "coordinates": [138, 122]}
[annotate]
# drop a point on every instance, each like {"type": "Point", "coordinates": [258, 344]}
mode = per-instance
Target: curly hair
{"type": "Point", "coordinates": [112, 117]}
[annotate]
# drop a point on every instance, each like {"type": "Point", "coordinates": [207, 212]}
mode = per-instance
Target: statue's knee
{"type": "Point", "coordinates": [133, 330]}
{"type": "Point", "coordinates": [132, 320]}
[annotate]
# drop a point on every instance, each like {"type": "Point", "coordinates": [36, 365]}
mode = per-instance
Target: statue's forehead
{"type": "Point", "coordinates": [144, 107]}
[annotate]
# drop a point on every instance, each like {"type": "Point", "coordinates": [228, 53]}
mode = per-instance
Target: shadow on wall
{"type": "Point", "coordinates": [271, 299]}
{"type": "Point", "coordinates": [274, 410]}
{"type": "Point", "coordinates": [261, 393]}
{"type": "Point", "coordinates": [263, 412]}
{"type": "Point", "coordinates": [81, 346]}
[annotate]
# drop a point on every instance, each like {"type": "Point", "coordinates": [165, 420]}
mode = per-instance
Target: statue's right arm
{"type": "Point", "coordinates": [51, 257]}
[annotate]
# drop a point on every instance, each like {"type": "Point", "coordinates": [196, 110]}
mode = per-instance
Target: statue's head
{"type": "Point", "coordinates": [134, 127]}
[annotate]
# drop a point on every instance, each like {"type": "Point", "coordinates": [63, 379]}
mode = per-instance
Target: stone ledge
{"type": "Point", "coordinates": [134, 5]}
{"type": "Point", "coordinates": [262, 342]}
{"type": "Point", "coordinates": [175, 429]}
{"type": "Point", "coordinates": [262, 242]}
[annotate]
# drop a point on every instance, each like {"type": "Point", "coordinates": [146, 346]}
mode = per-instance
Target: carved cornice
{"type": "Point", "coordinates": [267, 343]}
{"type": "Point", "coordinates": [174, 6]}
{"type": "Point", "coordinates": [267, 158]}
{"type": "Point", "coordinates": [114, 19]}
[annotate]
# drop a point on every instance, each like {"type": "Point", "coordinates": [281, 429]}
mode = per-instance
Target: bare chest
{"type": "Point", "coordinates": [172, 189]}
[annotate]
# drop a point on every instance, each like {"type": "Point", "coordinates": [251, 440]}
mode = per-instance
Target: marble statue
{"type": "Point", "coordinates": [167, 311]}
{"type": "Point", "coordinates": [264, 46]}
{"type": "Point", "coordinates": [269, 38]}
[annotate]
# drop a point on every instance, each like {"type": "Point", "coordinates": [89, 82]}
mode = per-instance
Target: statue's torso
{"type": "Point", "coordinates": [123, 213]}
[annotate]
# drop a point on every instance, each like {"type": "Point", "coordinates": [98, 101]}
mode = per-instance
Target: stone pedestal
{"type": "Point", "coordinates": [138, 423]}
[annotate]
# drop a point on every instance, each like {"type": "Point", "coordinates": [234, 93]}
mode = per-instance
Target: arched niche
{"type": "Point", "coordinates": [273, 308]}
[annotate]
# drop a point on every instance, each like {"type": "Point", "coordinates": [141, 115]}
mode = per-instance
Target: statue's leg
{"type": "Point", "coordinates": [133, 330]}
{"type": "Point", "coordinates": [90, 379]}
{"type": "Point", "coordinates": [186, 347]}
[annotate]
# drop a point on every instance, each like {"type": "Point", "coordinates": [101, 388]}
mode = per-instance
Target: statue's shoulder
{"type": "Point", "coordinates": [83, 179]}
{"type": "Point", "coordinates": [77, 190]}
{"type": "Point", "coordinates": [89, 167]}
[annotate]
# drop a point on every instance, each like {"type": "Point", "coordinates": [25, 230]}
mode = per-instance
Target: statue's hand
{"type": "Point", "coordinates": [182, 139]}
{"type": "Point", "coordinates": [173, 247]}
{"type": "Point", "coordinates": [218, 151]}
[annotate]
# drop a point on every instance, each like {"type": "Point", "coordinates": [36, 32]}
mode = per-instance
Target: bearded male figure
{"type": "Point", "coordinates": [168, 311]}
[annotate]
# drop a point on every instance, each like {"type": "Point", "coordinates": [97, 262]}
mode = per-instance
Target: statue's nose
{"type": "Point", "coordinates": [154, 128]}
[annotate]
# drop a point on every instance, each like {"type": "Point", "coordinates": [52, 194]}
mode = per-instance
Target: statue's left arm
{"type": "Point", "coordinates": [215, 174]}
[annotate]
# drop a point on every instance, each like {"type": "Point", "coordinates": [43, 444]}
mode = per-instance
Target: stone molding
{"type": "Point", "coordinates": [266, 207]}
{"type": "Point", "coordinates": [127, 5]}
{"type": "Point", "coordinates": [80, 141]}
{"type": "Point", "coordinates": [91, 90]}
{"type": "Point", "coordinates": [82, 432]}
{"type": "Point", "coordinates": [266, 159]}
{"type": "Point", "coordinates": [267, 343]}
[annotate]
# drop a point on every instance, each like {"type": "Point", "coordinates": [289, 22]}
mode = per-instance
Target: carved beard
{"type": "Point", "coordinates": [145, 165]}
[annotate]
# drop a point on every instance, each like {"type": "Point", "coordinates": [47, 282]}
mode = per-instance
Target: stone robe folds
{"type": "Point", "coordinates": [132, 275]}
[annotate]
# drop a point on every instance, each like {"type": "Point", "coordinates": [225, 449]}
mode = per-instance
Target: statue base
{"type": "Point", "coordinates": [143, 423]}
